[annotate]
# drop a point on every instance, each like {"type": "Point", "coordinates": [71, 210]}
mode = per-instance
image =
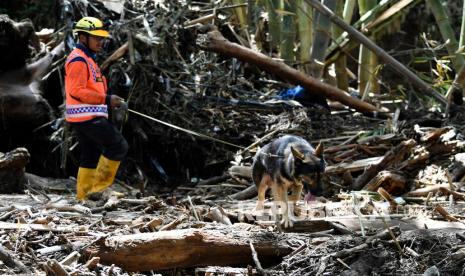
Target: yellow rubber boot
{"type": "Point", "coordinates": [105, 174]}
{"type": "Point", "coordinates": [84, 182]}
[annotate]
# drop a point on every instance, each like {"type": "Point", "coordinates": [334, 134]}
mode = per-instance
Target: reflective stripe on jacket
{"type": "Point", "coordinates": [85, 86]}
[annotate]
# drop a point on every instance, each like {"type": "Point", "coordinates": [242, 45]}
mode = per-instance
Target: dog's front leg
{"type": "Point", "coordinates": [261, 197]}
{"type": "Point", "coordinates": [261, 189]}
{"type": "Point", "coordinates": [297, 191]}
{"type": "Point", "coordinates": [282, 199]}
{"type": "Point", "coordinates": [287, 216]}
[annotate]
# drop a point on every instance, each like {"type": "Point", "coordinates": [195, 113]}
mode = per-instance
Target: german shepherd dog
{"type": "Point", "coordinates": [289, 162]}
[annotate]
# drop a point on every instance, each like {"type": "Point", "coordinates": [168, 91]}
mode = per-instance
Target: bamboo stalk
{"type": "Point", "coordinates": [366, 63]}
{"type": "Point", "coordinates": [288, 32]}
{"type": "Point", "coordinates": [364, 19]}
{"type": "Point", "coordinates": [396, 65]}
{"type": "Point", "coordinates": [344, 45]}
{"type": "Point", "coordinates": [444, 24]}
{"type": "Point", "coordinates": [251, 7]}
{"type": "Point", "coordinates": [341, 63]}
{"type": "Point", "coordinates": [462, 29]}
{"type": "Point", "coordinates": [459, 79]}
{"type": "Point", "coordinates": [305, 22]}
{"type": "Point", "coordinates": [274, 22]}
{"type": "Point", "coordinates": [455, 86]}
{"type": "Point", "coordinates": [320, 41]}
{"type": "Point", "coordinates": [241, 13]}
{"type": "Point", "coordinates": [374, 72]}
{"type": "Point", "coordinates": [348, 12]}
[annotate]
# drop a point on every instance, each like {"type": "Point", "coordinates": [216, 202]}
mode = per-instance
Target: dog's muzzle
{"type": "Point", "coordinates": [313, 184]}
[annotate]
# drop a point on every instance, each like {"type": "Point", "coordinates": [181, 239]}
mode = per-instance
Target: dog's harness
{"type": "Point", "coordinates": [272, 155]}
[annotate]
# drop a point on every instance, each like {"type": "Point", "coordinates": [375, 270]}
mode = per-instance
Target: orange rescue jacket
{"type": "Point", "coordinates": [85, 86]}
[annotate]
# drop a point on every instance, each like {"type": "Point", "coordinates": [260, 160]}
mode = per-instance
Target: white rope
{"type": "Point", "coordinates": [185, 130]}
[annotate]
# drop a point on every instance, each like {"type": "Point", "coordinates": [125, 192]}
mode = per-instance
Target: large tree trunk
{"type": "Point", "coordinates": [12, 165]}
{"type": "Point", "coordinates": [22, 106]}
{"type": "Point", "coordinates": [188, 248]}
{"type": "Point", "coordinates": [215, 42]}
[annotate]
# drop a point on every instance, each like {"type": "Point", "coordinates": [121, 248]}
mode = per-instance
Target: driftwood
{"type": "Point", "coordinates": [219, 215]}
{"type": "Point", "coordinates": [215, 42]}
{"type": "Point", "coordinates": [71, 258]}
{"type": "Point", "coordinates": [15, 159]}
{"type": "Point", "coordinates": [242, 171]}
{"type": "Point", "coordinates": [393, 182]}
{"type": "Point", "coordinates": [214, 180]}
{"type": "Point", "coordinates": [388, 197]}
{"type": "Point", "coordinates": [115, 56]}
{"type": "Point", "coordinates": [188, 248]}
{"type": "Point", "coordinates": [35, 227]}
{"type": "Point", "coordinates": [438, 208]}
{"type": "Point", "coordinates": [57, 268]}
{"type": "Point", "coordinates": [391, 158]}
{"type": "Point", "coordinates": [9, 260]}
{"type": "Point", "coordinates": [353, 166]}
{"type": "Point", "coordinates": [426, 190]}
{"type": "Point", "coordinates": [247, 193]}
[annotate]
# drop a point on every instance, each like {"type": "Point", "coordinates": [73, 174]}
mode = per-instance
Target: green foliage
{"type": "Point", "coordinates": [41, 12]}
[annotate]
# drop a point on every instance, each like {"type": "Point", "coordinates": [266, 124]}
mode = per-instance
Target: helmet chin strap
{"type": "Point", "coordinates": [86, 43]}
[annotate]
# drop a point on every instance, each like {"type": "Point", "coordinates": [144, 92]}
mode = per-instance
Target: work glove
{"type": "Point", "coordinates": [116, 101]}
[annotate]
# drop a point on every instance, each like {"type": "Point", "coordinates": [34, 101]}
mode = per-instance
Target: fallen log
{"type": "Point", "coordinates": [215, 42]}
{"type": "Point", "coordinates": [188, 248]}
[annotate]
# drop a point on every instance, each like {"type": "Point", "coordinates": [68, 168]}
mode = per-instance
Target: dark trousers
{"type": "Point", "coordinates": [99, 137]}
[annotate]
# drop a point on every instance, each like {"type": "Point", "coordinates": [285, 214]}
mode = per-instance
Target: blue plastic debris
{"type": "Point", "coordinates": [300, 94]}
{"type": "Point", "coordinates": [292, 93]}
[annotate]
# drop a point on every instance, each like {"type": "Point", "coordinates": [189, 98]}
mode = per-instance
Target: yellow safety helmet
{"type": "Point", "coordinates": [91, 25]}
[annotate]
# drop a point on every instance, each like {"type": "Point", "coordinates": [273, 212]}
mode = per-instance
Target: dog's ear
{"type": "Point", "coordinates": [319, 151]}
{"type": "Point", "coordinates": [297, 154]}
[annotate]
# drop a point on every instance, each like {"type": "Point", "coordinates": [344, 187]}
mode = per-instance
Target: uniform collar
{"type": "Point", "coordinates": [86, 50]}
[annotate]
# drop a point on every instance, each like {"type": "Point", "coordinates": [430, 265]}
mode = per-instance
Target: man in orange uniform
{"type": "Point", "coordinates": [102, 145]}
